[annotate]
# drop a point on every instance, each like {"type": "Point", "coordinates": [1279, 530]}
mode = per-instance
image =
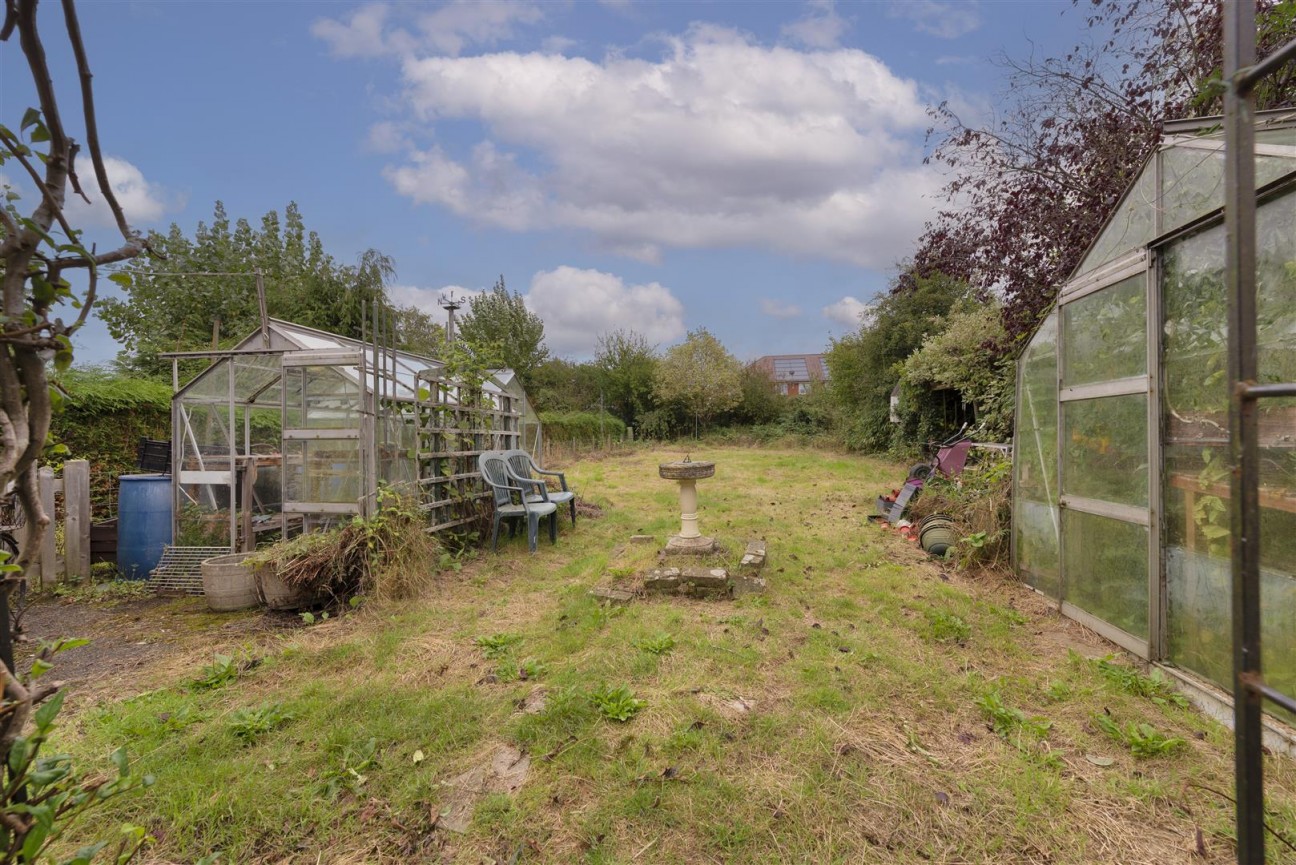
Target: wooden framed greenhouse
{"type": "Point", "coordinates": [295, 429]}
{"type": "Point", "coordinates": [1121, 477]}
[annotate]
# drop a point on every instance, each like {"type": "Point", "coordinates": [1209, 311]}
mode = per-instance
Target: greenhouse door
{"type": "Point", "coordinates": [1104, 395]}
{"type": "Point", "coordinates": [324, 416]}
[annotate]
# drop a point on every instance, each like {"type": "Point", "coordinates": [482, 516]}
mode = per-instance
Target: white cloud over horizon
{"type": "Point", "coordinates": [577, 305]}
{"type": "Point", "coordinates": [940, 18]}
{"type": "Point", "coordinates": [820, 27]}
{"type": "Point", "coordinates": [778, 309]}
{"type": "Point", "coordinates": [143, 202]}
{"type": "Point", "coordinates": [720, 143]}
{"type": "Point", "coordinates": [373, 30]}
{"type": "Point", "coordinates": [429, 299]}
{"type": "Point", "coordinates": [849, 311]}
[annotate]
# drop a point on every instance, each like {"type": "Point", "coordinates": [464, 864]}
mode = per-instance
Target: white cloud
{"type": "Point", "coordinates": [361, 35]}
{"type": "Point", "coordinates": [371, 30]}
{"type": "Point", "coordinates": [849, 311]}
{"type": "Point", "coordinates": [578, 305]}
{"type": "Point", "coordinates": [940, 18]}
{"type": "Point", "coordinates": [386, 137]}
{"type": "Point", "coordinates": [777, 309]}
{"type": "Point", "coordinates": [557, 44]}
{"type": "Point", "coordinates": [429, 299]}
{"type": "Point", "coordinates": [144, 203]}
{"type": "Point", "coordinates": [720, 142]}
{"type": "Point", "coordinates": [820, 27]}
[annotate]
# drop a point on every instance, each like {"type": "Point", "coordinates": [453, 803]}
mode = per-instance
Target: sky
{"type": "Point", "coordinates": [756, 169]}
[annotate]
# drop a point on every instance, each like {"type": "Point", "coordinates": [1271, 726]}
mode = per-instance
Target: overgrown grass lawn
{"type": "Point", "coordinates": [867, 708]}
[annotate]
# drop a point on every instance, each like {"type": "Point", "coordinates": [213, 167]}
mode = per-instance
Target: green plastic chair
{"type": "Point", "coordinates": [521, 464]}
{"type": "Point", "coordinates": [506, 486]}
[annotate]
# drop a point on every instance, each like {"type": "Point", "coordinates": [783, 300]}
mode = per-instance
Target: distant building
{"type": "Point", "coordinates": [793, 374]}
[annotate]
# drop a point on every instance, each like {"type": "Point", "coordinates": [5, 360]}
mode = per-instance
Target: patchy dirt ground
{"type": "Point", "coordinates": [131, 637]}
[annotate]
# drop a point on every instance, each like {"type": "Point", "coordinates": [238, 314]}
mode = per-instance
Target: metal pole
{"type": "Point", "coordinates": [261, 308]}
{"type": "Point", "coordinates": [1240, 259]}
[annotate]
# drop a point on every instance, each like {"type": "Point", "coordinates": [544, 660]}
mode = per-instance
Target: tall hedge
{"type": "Point", "coordinates": [580, 426]}
{"type": "Point", "coordinates": [103, 418]}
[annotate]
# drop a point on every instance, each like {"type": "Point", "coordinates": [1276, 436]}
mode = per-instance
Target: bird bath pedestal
{"type": "Point", "coordinates": [689, 540]}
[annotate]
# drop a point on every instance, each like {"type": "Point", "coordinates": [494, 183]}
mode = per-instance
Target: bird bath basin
{"type": "Point", "coordinates": [687, 473]}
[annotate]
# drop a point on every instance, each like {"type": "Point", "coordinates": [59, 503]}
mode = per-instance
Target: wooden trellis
{"type": "Point", "coordinates": [454, 428]}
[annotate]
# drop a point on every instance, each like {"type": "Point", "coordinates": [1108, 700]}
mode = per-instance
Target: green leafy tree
{"type": "Point", "coordinates": [626, 365]}
{"type": "Point", "coordinates": [701, 376]}
{"type": "Point", "coordinates": [558, 384]}
{"type": "Point", "coordinates": [962, 357]}
{"type": "Point", "coordinates": [417, 332]}
{"type": "Point", "coordinates": [499, 326]}
{"type": "Point", "coordinates": [760, 403]}
{"type": "Point", "coordinates": [865, 366]}
{"type": "Point", "coordinates": [171, 306]}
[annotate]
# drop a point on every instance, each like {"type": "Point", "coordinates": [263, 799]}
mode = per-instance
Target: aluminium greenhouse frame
{"type": "Point", "coordinates": [1121, 494]}
{"type": "Point", "coordinates": [295, 428]}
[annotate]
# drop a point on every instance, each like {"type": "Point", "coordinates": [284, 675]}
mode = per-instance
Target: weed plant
{"type": "Point", "coordinates": [616, 704]}
{"type": "Point", "coordinates": [1143, 740]}
{"type": "Point", "coordinates": [249, 724]}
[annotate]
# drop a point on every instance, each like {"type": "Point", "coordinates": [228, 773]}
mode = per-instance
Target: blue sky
{"type": "Point", "coordinates": [752, 168]}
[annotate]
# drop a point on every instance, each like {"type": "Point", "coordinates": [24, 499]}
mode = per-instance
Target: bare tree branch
{"type": "Point", "coordinates": [92, 125]}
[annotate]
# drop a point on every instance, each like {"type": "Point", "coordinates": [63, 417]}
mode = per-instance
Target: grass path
{"type": "Point", "coordinates": [868, 708]}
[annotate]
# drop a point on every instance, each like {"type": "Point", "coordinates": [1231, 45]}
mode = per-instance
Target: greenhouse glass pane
{"type": "Point", "coordinates": [320, 397]}
{"type": "Point", "coordinates": [1035, 469]}
{"type": "Point", "coordinates": [1104, 452]}
{"type": "Point", "coordinates": [1105, 333]}
{"type": "Point", "coordinates": [1192, 183]}
{"type": "Point", "coordinates": [1106, 567]}
{"type": "Point", "coordinates": [211, 385]}
{"type": "Point", "coordinates": [1131, 227]}
{"type": "Point", "coordinates": [322, 471]}
{"type": "Point", "coordinates": [1196, 488]}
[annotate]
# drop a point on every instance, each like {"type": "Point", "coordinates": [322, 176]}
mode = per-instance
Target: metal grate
{"type": "Point", "coordinates": [180, 569]}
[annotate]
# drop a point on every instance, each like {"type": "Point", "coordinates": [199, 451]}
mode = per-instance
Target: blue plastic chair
{"type": "Point", "coordinates": [521, 464]}
{"type": "Point", "coordinates": [506, 487]}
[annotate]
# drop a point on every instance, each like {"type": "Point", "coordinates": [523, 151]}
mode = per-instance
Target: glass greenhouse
{"type": "Point", "coordinates": [1121, 482]}
{"type": "Point", "coordinates": [295, 428]}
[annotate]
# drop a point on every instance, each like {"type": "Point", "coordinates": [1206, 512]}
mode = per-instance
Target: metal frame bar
{"type": "Point", "coordinates": [1133, 514]}
{"type": "Point", "coordinates": [1131, 386]}
{"type": "Point", "coordinates": [1242, 73]}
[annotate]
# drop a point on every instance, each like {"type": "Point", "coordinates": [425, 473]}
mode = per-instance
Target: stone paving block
{"type": "Point", "coordinates": [663, 580]}
{"type": "Point", "coordinates": [748, 586]}
{"type": "Point", "coordinates": [615, 596]}
{"type": "Point", "coordinates": [706, 578]}
{"type": "Point", "coordinates": [754, 555]}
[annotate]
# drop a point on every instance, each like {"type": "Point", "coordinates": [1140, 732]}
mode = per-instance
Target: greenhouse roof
{"type": "Point", "coordinates": [1184, 180]}
{"type": "Point", "coordinates": [255, 380]}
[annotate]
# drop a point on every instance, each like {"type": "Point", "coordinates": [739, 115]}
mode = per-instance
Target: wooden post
{"type": "Point", "coordinates": [48, 562]}
{"type": "Point", "coordinates": [76, 509]}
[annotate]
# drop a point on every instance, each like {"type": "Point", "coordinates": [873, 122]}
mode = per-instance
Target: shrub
{"type": "Point", "coordinates": [577, 426]}
{"type": "Point", "coordinates": [388, 556]}
{"type": "Point", "coordinates": [980, 503]}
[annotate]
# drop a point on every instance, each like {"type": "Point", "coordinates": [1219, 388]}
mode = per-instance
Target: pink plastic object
{"type": "Point", "coordinates": [951, 460]}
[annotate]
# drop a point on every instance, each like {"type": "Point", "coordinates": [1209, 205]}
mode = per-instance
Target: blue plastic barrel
{"type": "Point", "coordinates": [143, 523]}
